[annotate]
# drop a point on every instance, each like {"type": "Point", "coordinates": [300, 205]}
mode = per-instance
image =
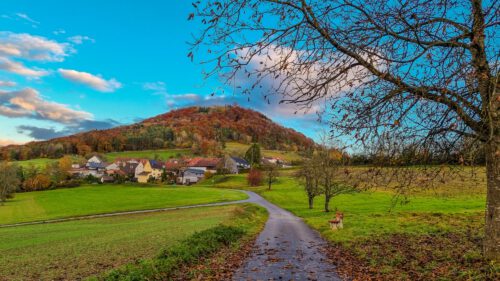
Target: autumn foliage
{"type": "Point", "coordinates": [254, 177]}
{"type": "Point", "coordinates": [202, 129]}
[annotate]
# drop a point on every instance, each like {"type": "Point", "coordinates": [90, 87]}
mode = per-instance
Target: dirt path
{"type": "Point", "coordinates": [287, 249]}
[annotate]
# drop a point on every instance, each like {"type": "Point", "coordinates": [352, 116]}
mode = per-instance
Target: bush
{"type": "Point", "coordinates": [190, 251]}
{"type": "Point", "coordinates": [254, 177]}
{"type": "Point", "coordinates": [208, 175]}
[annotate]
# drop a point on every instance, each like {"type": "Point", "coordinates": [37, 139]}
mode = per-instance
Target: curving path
{"type": "Point", "coordinates": [287, 249]}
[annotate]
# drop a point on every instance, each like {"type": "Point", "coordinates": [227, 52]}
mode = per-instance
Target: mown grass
{"type": "Point", "coordinates": [162, 154]}
{"type": "Point", "coordinates": [234, 148]}
{"type": "Point", "coordinates": [194, 249]}
{"type": "Point", "coordinates": [96, 199]}
{"type": "Point", "coordinates": [79, 249]}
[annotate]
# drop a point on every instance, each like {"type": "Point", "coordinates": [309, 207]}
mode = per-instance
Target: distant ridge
{"type": "Point", "coordinates": [203, 129]}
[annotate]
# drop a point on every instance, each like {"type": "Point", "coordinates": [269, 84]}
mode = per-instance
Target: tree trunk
{"type": "Point", "coordinates": [492, 227]}
{"type": "Point", "coordinates": [311, 202]}
{"type": "Point", "coordinates": [327, 204]}
{"type": "Point", "coordinates": [270, 182]}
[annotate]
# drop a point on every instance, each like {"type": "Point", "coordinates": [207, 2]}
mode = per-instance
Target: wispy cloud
{"type": "Point", "coordinates": [59, 31]}
{"type": "Point", "coordinates": [156, 87]}
{"type": "Point", "coordinates": [19, 68]}
{"type": "Point", "coordinates": [93, 81]}
{"type": "Point", "coordinates": [7, 83]}
{"type": "Point", "coordinates": [30, 47]}
{"type": "Point", "coordinates": [79, 39]}
{"type": "Point", "coordinates": [28, 19]}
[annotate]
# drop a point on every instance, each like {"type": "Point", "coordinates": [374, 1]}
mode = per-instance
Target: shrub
{"type": "Point", "coordinates": [254, 177]}
{"type": "Point", "coordinates": [208, 175]}
{"type": "Point", "coordinates": [190, 251]}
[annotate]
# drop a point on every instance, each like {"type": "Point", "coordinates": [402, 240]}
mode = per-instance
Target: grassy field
{"type": "Point", "coordinates": [95, 199]}
{"type": "Point", "coordinates": [395, 242]}
{"type": "Point", "coordinates": [78, 249]}
{"type": "Point", "coordinates": [162, 154]}
{"type": "Point", "coordinates": [38, 163]}
{"type": "Point", "coordinates": [234, 148]}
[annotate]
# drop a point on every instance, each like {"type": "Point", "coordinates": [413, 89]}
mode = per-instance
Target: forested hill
{"type": "Point", "coordinates": [203, 129]}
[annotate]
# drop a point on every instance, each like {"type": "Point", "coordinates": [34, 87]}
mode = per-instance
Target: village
{"type": "Point", "coordinates": [183, 171]}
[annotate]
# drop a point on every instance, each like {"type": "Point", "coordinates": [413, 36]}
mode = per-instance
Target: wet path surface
{"type": "Point", "coordinates": [287, 249]}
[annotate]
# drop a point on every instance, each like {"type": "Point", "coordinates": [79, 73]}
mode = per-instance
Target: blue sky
{"type": "Point", "coordinates": [68, 66]}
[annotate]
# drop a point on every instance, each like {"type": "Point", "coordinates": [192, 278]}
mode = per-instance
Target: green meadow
{"type": "Point", "coordinates": [97, 199]}
{"type": "Point", "coordinates": [78, 249]}
{"type": "Point", "coordinates": [234, 148]}
{"type": "Point", "coordinates": [162, 154]}
{"type": "Point", "coordinates": [368, 213]}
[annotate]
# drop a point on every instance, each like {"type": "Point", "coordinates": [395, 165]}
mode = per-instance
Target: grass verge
{"type": "Point", "coordinates": [178, 261]}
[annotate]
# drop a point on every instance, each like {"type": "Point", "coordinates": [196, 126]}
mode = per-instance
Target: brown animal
{"type": "Point", "coordinates": [337, 223]}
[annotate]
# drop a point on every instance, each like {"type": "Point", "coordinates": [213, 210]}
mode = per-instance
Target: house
{"type": "Point", "coordinates": [235, 165]}
{"type": "Point", "coordinates": [95, 169]}
{"type": "Point", "coordinates": [139, 168]}
{"type": "Point", "coordinates": [129, 169]}
{"type": "Point", "coordinates": [113, 167]}
{"type": "Point", "coordinates": [147, 169]}
{"type": "Point", "coordinates": [190, 176]}
{"type": "Point", "coordinates": [205, 164]}
{"type": "Point", "coordinates": [156, 168]}
{"type": "Point", "coordinates": [94, 160]}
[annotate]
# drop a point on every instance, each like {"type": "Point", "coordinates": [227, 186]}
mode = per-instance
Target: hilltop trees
{"type": "Point", "coordinates": [9, 181]}
{"type": "Point", "coordinates": [415, 71]}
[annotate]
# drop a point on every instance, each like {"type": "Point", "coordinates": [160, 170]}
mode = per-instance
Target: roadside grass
{"type": "Point", "coordinates": [437, 234]}
{"type": "Point", "coordinates": [97, 199]}
{"type": "Point", "coordinates": [79, 249]}
{"type": "Point", "coordinates": [163, 154]}
{"type": "Point", "coordinates": [234, 148]}
{"type": "Point", "coordinates": [187, 260]}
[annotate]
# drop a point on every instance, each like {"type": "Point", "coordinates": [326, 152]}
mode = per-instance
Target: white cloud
{"type": "Point", "coordinates": [79, 39]}
{"type": "Point", "coordinates": [32, 47]}
{"type": "Point", "coordinates": [7, 83]}
{"type": "Point", "coordinates": [28, 103]}
{"type": "Point", "coordinates": [90, 80]}
{"type": "Point", "coordinates": [19, 68]}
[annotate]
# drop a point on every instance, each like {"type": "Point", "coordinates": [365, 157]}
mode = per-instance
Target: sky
{"type": "Point", "coordinates": [72, 66]}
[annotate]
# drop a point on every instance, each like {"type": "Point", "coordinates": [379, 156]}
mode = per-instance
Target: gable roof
{"type": "Point", "coordinates": [240, 161]}
{"type": "Point", "coordinates": [156, 164]}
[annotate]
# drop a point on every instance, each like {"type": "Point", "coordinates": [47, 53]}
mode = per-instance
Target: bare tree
{"type": "Point", "coordinates": [271, 172]}
{"type": "Point", "coordinates": [309, 176]}
{"type": "Point", "coordinates": [423, 70]}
